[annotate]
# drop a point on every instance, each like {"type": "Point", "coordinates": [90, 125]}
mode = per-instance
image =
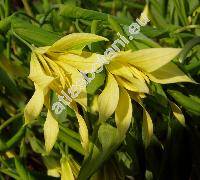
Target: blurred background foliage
{"type": "Point", "coordinates": [173, 153]}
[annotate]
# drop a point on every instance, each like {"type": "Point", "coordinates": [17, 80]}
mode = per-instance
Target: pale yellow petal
{"type": "Point", "coordinates": [169, 73]}
{"type": "Point", "coordinates": [108, 99]}
{"type": "Point", "coordinates": [43, 82]}
{"type": "Point", "coordinates": [10, 154]}
{"type": "Point", "coordinates": [74, 166]}
{"type": "Point", "coordinates": [148, 59]}
{"type": "Point", "coordinates": [147, 128]}
{"type": "Point", "coordinates": [51, 130]}
{"type": "Point", "coordinates": [83, 133]}
{"type": "Point", "coordinates": [35, 67]}
{"type": "Point", "coordinates": [137, 97]}
{"type": "Point", "coordinates": [77, 81]}
{"type": "Point", "coordinates": [34, 106]}
{"type": "Point", "coordinates": [83, 130]}
{"type": "Point", "coordinates": [41, 50]}
{"type": "Point", "coordinates": [52, 165]}
{"type": "Point", "coordinates": [119, 69]}
{"type": "Point", "coordinates": [126, 71]}
{"type": "Point", "coordinates": [145, 14]}
{"type": "Point", "coordinates": [126, 77]}
{"type": "Point", "coordinates": [133, 84]}
{"type": "Point", "coordinates": [89, 64]}
{"type": "Point", "coordinates": [122, 56]}
{"type": "Point", "coordinates": [82, 99]}
{"type": "Point", "coordinates": [139, 74]}
{"type": "Point", "coordinates": [152, 59]}
{"type": "Point", "coordinates": [45, 65]}
{"type": "Point", "coordinates": [123, 112]}
{"type": "Point", "coordinates": [66, 171]}
{"type": "Point", "coordinates": [75, 41]}
{"type": "Point", "coordinates": [177, 113]}
{"type": "Point", "coordinates": [37, 74]}
{"type": "Point", "coordinates": [59, 73]}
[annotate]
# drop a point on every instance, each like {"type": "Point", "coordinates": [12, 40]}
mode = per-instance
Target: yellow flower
{"type": "Point", "coordinates": [69, 168]}
{"type": "Point", "coordinates": [57, 68]}
{"type": "Point", "coordinates": [128, 76]}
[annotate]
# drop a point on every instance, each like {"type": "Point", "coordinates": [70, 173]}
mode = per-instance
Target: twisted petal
{"type": "Point", "coordinates": [108, 99]}
{"type": "Point", "coordinates": [82, 130]}
{"type": "Point", "coordinates": [51, 130]}
{"type": "Point", "coordinates": [177, 113]}
{"type": "Point", "coordinates": [123, 112]}
{"type": "Point", "coordinates": [41, 82]}
{"type": "Point", "coordinates": [34, 106]}
{"type": "Point", "coordinates": [147, 128]}
{"type": "Point", "coordinates": [66, 171]}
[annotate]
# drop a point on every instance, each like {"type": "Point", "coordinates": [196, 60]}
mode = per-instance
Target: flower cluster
{"type": "Point", "coordinates": [57, 68]}
{"type": "Point", "coordinates": [64, 66]}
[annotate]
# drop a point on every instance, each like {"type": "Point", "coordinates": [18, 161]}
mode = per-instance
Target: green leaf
{"type": "Point", "coordinates": [9, 83]}
{"type": "Point", "coordinates": [35, 143]}
{"type": "Point", "coordinates": [33, 34]}
{"type": "Point", "coordinates": [96, 83]}
{"type": "Point", "coordinates": [22, 171]}
{"type": "Point", "coordinates": [188, 103]}
{"type": "Point", "coordinates": [181, 10]}
{"type": "Point", "coordinates": [80, 13]}
{"type": "Point", "coordinates": [109, 140]}
{"type": "Point", "coordinates": [159, 94]}
{"type": "Point", "coordinates": [70, 141]}
{"type": "Point", "coordinates": [5, 24]}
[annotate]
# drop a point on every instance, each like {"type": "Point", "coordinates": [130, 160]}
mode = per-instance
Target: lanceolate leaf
{"type": "Point", "coordinates": [185, 101]}
{"type": "Point", "coordinates": [108, 137]}
{"type": "Point", "coordinates": [41, 37]}
{"type": "Point", "coordinates": [22, 171]}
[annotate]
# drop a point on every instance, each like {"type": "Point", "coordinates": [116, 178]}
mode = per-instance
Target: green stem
{"type": "Point", "coordinates": [189, 45]}
{"type": "Point", "coordinates": [27, 8]}
{"type": "Point", "coordinates": [186, 28]}
{"type": "Point", "coordinates": [22, 40]}
{"type": "Point", "coordinates": [134, 5]}
{"type": "Point", "coordinates": [71, 142]}
{"type": "Point", "coordinates": [2, 14]}
{"type": "Point", "coordinates": [86, 119]}
{"type": "Point", "coordinates": [46, 15]}
{"type": "Point", "coordinates": [77, 26]}
{"type": "Point", "coordinates": [69, 132]}
{"type": "Point", "coordinates": [94, 26]}
{"type": "Point", "coordinates": [30, 17]}
{"type": "Point", "coordinates": [9, 173]}
{"type": "Point", "coordinates": [8, 44]}
{"type": "Point", "coordinates": [12, 119]}
{"type": "Point", "coordinates": [11, 142]}
{"type": "Point", "coordinates": [7, 8]}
